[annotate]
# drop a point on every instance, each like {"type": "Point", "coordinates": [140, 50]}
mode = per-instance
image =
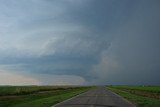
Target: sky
{"type": "Point", "coordinates": [79, 42]}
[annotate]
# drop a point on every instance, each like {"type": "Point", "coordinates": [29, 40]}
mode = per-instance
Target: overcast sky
{"type": "Point", "coordinates": [79, 42]}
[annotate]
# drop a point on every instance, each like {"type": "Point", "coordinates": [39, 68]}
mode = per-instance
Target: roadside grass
{"type": "Point", "coordinates": [137, 99]}
{"type": "Point", "coordinates": [42, 98]}
{"type": "Point", "coordinates": [153, 89]}
{"type": "Point", "coordinates": [22, 90]}
{"type": "Point", "coordinates": [7, 101]}
{"type": "Point", "coordinates": [49, 101]}
{"type": "Point", "coordinates": [146, 91]}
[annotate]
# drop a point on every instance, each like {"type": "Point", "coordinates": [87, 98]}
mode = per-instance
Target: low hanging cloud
{"type": "Point", "coordinates": [91, 42]}
{"type": "Point", "coordinates": [13, 78]}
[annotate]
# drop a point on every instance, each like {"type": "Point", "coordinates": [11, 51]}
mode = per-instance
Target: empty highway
{"type": "Point", "coordinates": [99, 97]}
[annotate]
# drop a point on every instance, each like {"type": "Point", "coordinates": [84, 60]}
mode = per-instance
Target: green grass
{"type": "Point", "coordinates": [21, 90]}
{"type": "Point", "coordinates": [44, 98]}
{"type": "Point", "coordinates": [155, 89]}
{"type": "Point", "coordinates": [138, 99]}
{"type": "Point", "coordinates": [49, 101]}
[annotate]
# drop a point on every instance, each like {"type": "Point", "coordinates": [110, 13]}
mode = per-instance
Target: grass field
{"type": "Point", "coordinates": [36, 96]}
{"type": "Point", "coordinates": [142, 96]}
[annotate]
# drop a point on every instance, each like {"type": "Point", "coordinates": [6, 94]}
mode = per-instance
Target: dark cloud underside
{"type": "Point", "coordinates": [98, 42]}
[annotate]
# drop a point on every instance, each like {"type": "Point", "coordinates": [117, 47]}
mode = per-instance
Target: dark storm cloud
{"type": "Point", "coordinates": [133, 57]}
{"type": "Point", "coordinates": [102, 42]}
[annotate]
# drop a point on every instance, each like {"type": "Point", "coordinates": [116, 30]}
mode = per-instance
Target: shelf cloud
{"type": "Point", "coordinates": [88, 41]}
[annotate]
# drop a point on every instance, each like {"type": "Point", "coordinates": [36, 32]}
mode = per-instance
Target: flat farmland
{"type": "Point", "coordinates": [37, 96]}
{"type": "Point", "coordinates": [142, 96]}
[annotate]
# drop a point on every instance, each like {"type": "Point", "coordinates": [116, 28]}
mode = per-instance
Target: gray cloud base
{"type": "Point", "coordinates": [104, 42]}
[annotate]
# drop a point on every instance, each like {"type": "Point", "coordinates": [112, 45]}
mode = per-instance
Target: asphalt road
{"type": "Point", "coordinates": [99, 97]}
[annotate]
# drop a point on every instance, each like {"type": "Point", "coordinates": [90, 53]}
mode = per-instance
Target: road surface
{"type": "Point", "coordinates": [99, 97]}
